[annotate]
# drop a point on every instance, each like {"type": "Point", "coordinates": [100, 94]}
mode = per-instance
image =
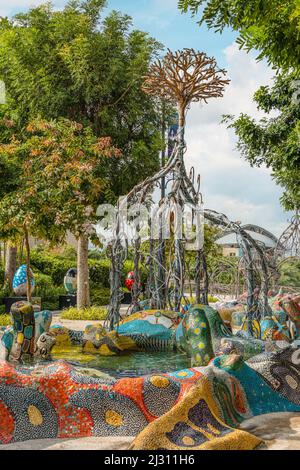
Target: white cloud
{"type": "Point", "coordinates": [14, 6]}
{"type": "Point", "coordinates": [229, 184]}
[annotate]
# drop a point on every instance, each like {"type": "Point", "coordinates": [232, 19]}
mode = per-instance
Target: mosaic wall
{"type": "Point", "coordinates": [197, 408]}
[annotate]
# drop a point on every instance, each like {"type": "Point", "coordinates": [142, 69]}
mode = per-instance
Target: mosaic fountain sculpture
{"type": "Point", "coordinates": [192, 409]}
{"type": "Point", "coordinates": [197, 408]}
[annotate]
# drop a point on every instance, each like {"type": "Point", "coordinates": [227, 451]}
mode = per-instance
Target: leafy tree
{"type": "Point", "coordinates": [272, 27]}
{"type": "Point", "coordinates": [75, 64]}
{"type": "Point", "coordinates": [64, 172]}
{"type": "Point", "coordinates": [275, 142]}
{"type": "Point", "coordinates": [9, 176]}
{"type": "Point", "coordinates": [290, 274]}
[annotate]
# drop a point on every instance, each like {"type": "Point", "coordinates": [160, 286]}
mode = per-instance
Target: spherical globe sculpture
{"type": "Point", "coordinates": [70, 281]}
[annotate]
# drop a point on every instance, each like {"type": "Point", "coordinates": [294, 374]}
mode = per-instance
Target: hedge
{"type": "Point", "coordinates": [56, 267]}
{"type": "Point", "coordinates": [91, 314]}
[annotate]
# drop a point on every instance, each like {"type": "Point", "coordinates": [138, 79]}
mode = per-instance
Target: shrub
{"type": "Point", "coordinates": [92, 313]}
{"type": "Point", "coordinates": [99, 272]}
{"type": "Point", "coordinates": [100, 296]}
{"type": "Point", "coordinates": [56, 265]}
{"type": "Point", "coordinates": [51, 265]}
{"type": "Point", "coordinates": [47, 291]}
{"type": "Point", "coordinates": [211, 299]}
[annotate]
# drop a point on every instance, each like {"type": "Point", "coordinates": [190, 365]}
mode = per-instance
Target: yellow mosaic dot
{"type": "Point", "coordinates": [203, 325]}
{"type": "Point", "coordinates": [20, 338]}
{"type": "Point", "coordinates": [113, 418]}
{"type": "Point", "coordinates": [198, 358]}
{"type": "Point", "coordinates": [188, 441]}
{"type": "Point", "coordinates": [34, 415]}
{"type": "Point", "coordinates": [159, 382]}
{"type": "Point", "coordinates": [182, 374]}
{"type": "Point", "coordinates": [197, 331]}
{"type": "Point", "coordinates": [201, 345]}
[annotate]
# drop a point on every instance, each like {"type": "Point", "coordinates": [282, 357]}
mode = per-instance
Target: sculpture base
{"type": "Point", "coordinates": [67, 301]}
{"type": "Point", "coordinates": [9, 301]}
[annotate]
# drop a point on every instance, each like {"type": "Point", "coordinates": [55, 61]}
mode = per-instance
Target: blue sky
{"type": "Point", "coordinates": [229, 185]}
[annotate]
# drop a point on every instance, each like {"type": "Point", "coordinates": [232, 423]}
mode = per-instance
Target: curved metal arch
{"type": "Point", "coordinates": [289, 241]}
{"type": "Point", "coordinates": [248, 243]}
{"type": "Point", "coordinates": [171, 277]}
{"type": "Point", "coordinates": [251, 228]}
{"type": "Point", "coordinates": [261, 231]}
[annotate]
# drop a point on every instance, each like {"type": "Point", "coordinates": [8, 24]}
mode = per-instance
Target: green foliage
{"type": "Point", "coordinates": [50, 268]}
{"type": "Point", "coordinates": [290, 274]}
{"type": "Point", "coordinates": [272, 27]}
{"type": "Point", "coordinates": [91, 314]}
{"type": "Point", "coordinates": [51, 265]}
{"type": "Point", "coordinates": [275, 142]}
{"type": "Point", "coordinates": [62, 178]}
{"type": "Point", "coordinates": [1, 275]}
{"type": "Point", "coordinates": [5, 319]}
{"type": "Point", "coordinates": [211, 299]}
{"type": "Point", "coordinates": [100, 296]}
{"type": "Point", "coordinates": [46, 289]}
{"type": "Point", "coordinates": [4, 291]}
{"type": "Point", "coordinates": [74, 63]}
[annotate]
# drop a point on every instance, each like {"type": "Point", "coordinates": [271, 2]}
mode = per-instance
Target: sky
{"type": "Point", "coordinates": [229, 184]}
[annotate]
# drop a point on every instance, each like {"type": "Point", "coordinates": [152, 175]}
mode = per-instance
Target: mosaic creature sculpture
{"type": "Point", "coordinates": [22, 340]}
{"type": "Point", "coordinates": [201, 333]}
{"type": "Point", "coordinates": [291, 305]}
{"type": "Point", "coordinates": [149, 330]}
{"type": "Point", "coordinates": [195, 409]}
{"type": "Point", "coordinates": [219, 339]}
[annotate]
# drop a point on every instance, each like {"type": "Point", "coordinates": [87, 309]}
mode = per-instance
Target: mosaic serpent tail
{"type": "Point", "coordinates": [198, 408]}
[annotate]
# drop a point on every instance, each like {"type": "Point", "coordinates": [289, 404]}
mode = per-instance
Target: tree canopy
{"type": "Point", "coordinates": [272, 27]}
{"type": "Point", "coordinates": [76, 64]}
{"type": "Point", "coordinates": [64, 172]}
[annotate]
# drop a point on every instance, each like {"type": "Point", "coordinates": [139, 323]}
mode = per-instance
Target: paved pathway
{"type": "Point", "coordinates": [79, 325]}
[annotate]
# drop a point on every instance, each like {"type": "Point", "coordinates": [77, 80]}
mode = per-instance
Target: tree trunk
{"type": "Point", "coordinates": [83, 286]}
{"type": "Point", "coordinates": [11, 264]}
{"type": "Point", "coordinates": [27, 246]}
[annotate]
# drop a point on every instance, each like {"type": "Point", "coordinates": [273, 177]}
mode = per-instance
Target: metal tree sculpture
{"type": "Point", "coordinates": [184, 77]}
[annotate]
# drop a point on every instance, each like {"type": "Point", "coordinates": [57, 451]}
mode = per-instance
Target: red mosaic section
{"type": "Point", "coordinates": [6, 424]}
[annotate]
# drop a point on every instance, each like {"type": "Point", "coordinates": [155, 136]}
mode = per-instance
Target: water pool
{"type": "Point", "coordinates": [131, 364]}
